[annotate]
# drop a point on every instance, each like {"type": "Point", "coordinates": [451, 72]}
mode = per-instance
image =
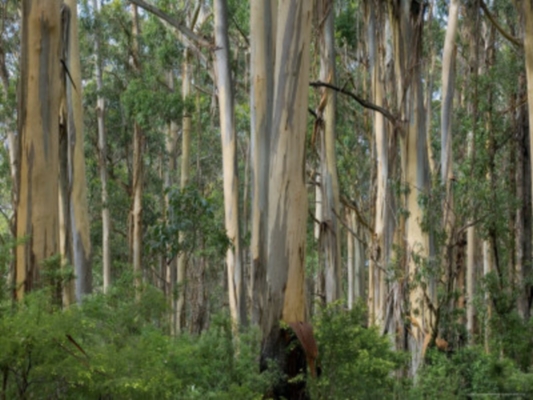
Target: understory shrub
{"type": "Point", "coordinates": [356, 362]}
{"type": "Point", "coordinates": [115, 347]}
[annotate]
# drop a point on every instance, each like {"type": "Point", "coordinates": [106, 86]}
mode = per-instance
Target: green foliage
{"type": "Point", "coordinates": [151, 104]}
{"type": "Point", "coordinates": [116, 347]}
{"type": "Point", "coordinates": [469, 372]}
{"type": "Point", "coordinates": [190, 213]}
{"type": "Point", "coordinates": [346, 29]}
{"type": "Point", "coordinates": [356, 361]}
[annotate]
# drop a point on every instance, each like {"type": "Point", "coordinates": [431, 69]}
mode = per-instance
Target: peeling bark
{"type": "Point", "coordinates": [37, 207]}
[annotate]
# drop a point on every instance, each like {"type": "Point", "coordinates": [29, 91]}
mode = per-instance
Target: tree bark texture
{"type": "Point", "coordinates": [102, 154]}
{"type": "Point", "coordinates": [37, 207]}
{"type": "Point", "coordinates": [287, 195]}
{"type": "Point", "coordinates": [137, 166]}
{"type": "Point", "coordinates": [77, 184]}
{"type": "Point", "coordinates": [406, 19]}
{"type": "Point", "coordinates": [234, 265]}
{"type": "Point", "coordinates": [329, 185]}
{"type": "Point", "coordinates": [262, 42]}
{"type": "Point", "coordinates": [184, 181]}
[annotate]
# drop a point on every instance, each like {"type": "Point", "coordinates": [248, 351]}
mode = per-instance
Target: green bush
{"type": "Point", "coordinates": [469, 372]}
{"type": "Point", "coordinates": [114, 347]}
{"type": "Point", "coordinates": [356, 362]}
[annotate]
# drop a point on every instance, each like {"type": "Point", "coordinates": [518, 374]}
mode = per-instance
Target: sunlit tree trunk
{"type": "Point", "coordinates": [319, 284]}
{"type": "Point", "coordinates": [287, 195]}
{"type": "Point", "coordinates": [355, 254]}
{"type": "Point", "coordinates": [184, 181]}
{"type": "Point", "coordinates": [470, 267]}
{"type": "Point", "coordinates": [234, 265]}
{"type": "Point", "coordinates": [448, 86]}
{"type": "Point", "coordinates": [137, 166]}
{"type": "Point", "coordinates": [170, 172]}
{"type": "Point", "coordinates": [102, 152]}
{"type": "Point", "coordinates": [262, 42]}
{"type": "Point", "coordinates": [78, 211]}
{"type": "Point", "coordinates": [490, 259]}
{"type": "Point", "coordinates": [350, 261]}
{"type": "Point", "coordinates": [329, 184]}
{"type": "Point", "coordinates": [406, 25]}
{"type": "Point", "coordinates": [472, 29]}
{"type": "Point", "coordinates": [453, 273]}
{"type": "Point", "coordinates": [381, 238]}
{"type": "Point", "coordinates": [37, 207]}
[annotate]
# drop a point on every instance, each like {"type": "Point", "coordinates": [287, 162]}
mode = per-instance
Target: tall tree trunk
{"type": "Point", "coordinates": [137, 165]}
{"type": "Point", "coordinates": [350, 260]}
{"type": "Point", "coordinates": [381, 239]}
{"type": "Point", "coordinates": [522, 268]}
{"type": "Point", "coordinates": [237, 299]}
{"type": "Point", "coordinates": [355, 260]}
{"type": "Point", "coordinates": [528, 47]}
{"type": "Point", "coordinates": [171, 265]}
{"type": "Point", "coordinates": [329, 184]}
{"type": "Point", "coordinates": [78, 210]}
{"type": "Point", "coordinates": [184, 181]}
{"type": "Point", "coordinates": [453, 273]}
{"type": "Point", "coordinates": [37, 207]}
{"type": "Point", "coordinates": [448, 87]}
{"type": "Point", "coordinates": [287, 195]}
{"type": "Point", "coordinates": [262, 41]}
{"type": "Point", "coordinates": [470, 265]}
{"type": "Point", "coordinates": [406, 23]}
{"type": "Point", "coordinates": [472, 14]}
{"type": "Point", "coordinates": [102, 152]}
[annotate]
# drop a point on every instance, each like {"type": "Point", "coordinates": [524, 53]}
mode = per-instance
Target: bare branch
{"type": "Point", "coordinates": [386, 113]}
{"type": "Point", "coordinates": [498, 27]}
{"type": "Point", "coordinates": [353, 206]}
{"type": "Point", "coordinates": [192, 39]}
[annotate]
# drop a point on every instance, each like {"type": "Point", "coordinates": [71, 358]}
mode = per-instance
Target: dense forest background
{"type": "Point", "coordinates": [290, 199]}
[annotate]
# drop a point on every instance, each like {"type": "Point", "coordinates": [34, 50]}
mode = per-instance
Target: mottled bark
{"type": "Point", "coordinates": [37, 207]}
{"type": "Point", "coordinates": [78, 209]}
{"type": "Point", "coordinates": [262, 43]}
{"type": "Point", "coordinates": [406, 19]}
{"type": "Point", "coordinates": [137, 166]}
{"type": "Point", "coordinates": [472, 29]}
{"type": "Point", "coordinates": [528, 49]}
{"type": "Point", "coordinates": [287, 195]}
{"type": "Point", "coordinates": [329, 234]}
{"type": "Point", "coordinates": [234, 264]}
{"type": "Point", "coordinates": [102, 152]}
{"type": "Point", "coordinates": [184, 181]}
{"type": "Point", "coordinates": [171, 265]}
{"type": "Point", "coordinates": [381, 238]}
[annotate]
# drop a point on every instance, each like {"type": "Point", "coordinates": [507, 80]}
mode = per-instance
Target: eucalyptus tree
{"type": "Point", "coordinates": [102, 147]}
{"type": "Point", "coordinates": [234, 263]}
{"type": "Point", "coordinates": [448, 86]}
{"type": "Point", "coordinates": [287, 193]}
{"type": "Point", "coordinates": [471, 69]}
{"type": "Point", "coordinates": [37, 210]}
{"type": "Point", "coordinates": [74, 213]}
{"type": "Point", "coordinates": [329, 185]}
{"type": "Point", "coordinates": [406, 22]}
{"type": "Point", "coordinates": [383, 226]}
{"type": "Point", "coordinates": [263, 15]}
{"type": "Point", "coordinates": [138, 147]}
{"type": "Point", "coordinates": [527, 8]}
